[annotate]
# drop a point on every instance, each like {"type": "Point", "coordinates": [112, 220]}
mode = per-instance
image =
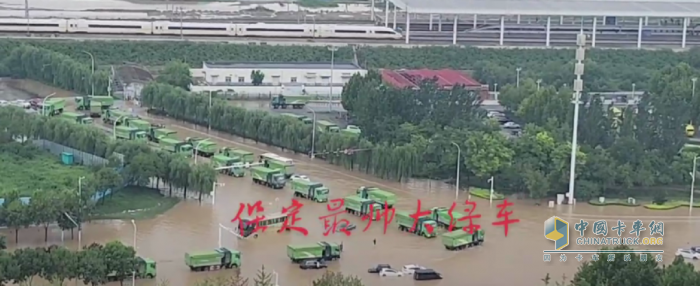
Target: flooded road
{"type": "Point", "coordinates": [191, 226]}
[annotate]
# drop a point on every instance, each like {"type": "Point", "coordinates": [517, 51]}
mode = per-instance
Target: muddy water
{"type": "Point", "coordinates": [191, 226]}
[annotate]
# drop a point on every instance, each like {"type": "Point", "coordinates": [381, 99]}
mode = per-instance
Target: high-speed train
{"type": "Point", "coordinates": [78, 26]}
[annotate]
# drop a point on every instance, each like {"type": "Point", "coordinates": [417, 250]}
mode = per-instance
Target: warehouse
{"type": "Point", "coordinates": [286, 78]}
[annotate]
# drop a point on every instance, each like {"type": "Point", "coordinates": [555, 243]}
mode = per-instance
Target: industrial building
{"type": "Point", "coordinates": [286, 78]}
{"type": "Point", "coordinates": [594, 12]}
{"type": "Point", "coordinates": [444, 78]}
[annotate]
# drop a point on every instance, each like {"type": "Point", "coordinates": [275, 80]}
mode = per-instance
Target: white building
{"type": "Point", "coordinates": [286, 78]}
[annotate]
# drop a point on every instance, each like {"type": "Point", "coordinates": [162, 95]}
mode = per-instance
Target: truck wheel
{"type": "Point", "coordinates": [150, 276]}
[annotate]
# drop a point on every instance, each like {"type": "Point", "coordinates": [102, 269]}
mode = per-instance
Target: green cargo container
{"type": "Point", "coordinates": [246, 157]}
{"type": "Point", "coordinates": [175, 146]}
{"type": "Point", "coordinates": [217, 259]}
{"type": "Point", "coordinates": [310, 190]}
{"type": "Point", "coordinates": [109, 116]}
{"type": "Point", "coordinates": [231, 166]}
{"type": "Point", "coordinates": [164, 133]}
{"type": "Point", "coordinates": [424, 225]}
{"type": "Point", "coordinates": [303, 118]}
{"type": "Point", "coordinates": [144, 268]}
{"type": "Point", "coordinates": [316, 251]}
{"type": "Point", "coordinates": [274, 161]}
{"type": "Point", "coordinates": [360, 207]}
{"type": "Point", "coordinates": [76, 117]}
{"type": "Point", "coordinates": [268, 177]}
{"type": "Point", "coordinates": [378, 195]}
{"type": "Point", "coordinates": [203, 146]}
{"type": "Point", "coordinates": [460, 239]}
{"type": "Point", "coordinates": [129, 133]}
{"type": "Point", "coordinates": [325, 126]}
{"type": "Point", "coordinates": [442, 216]}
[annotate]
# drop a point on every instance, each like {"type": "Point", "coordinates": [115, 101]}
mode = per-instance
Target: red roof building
{"type": "Point", "coordinates": [445, 79]}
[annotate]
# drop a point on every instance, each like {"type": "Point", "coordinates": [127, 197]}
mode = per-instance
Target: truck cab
{"type": "Point", "coordinates": [321, 193]}
{"type": "Point", "coordinates": [229, 257]}
{"type": "Point", "coordinates": [145, 267]}
{"type": "Point", "coordinates": [351, 130]}
{"type": "Point", "coordinates": [279, 179]}
{"type": "Point", "coordinates": [184, 148]}
{"type": "Point", "coordinates": [425, 224]}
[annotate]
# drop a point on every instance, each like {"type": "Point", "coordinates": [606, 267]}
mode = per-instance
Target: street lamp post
{"type": "Point", "coordinates": [80, 233]}
{"type": "Point", "coordinates": [459, 155]}
{"type": "Point", "coordinates": [495, 90]}
{"type": "Point", "coordinates": [634, 89]}
{"type": "Point", "coordinates": [209, 116]}
{"type": "Point", "coordinates": [539, 81]}
{"type": "Point", "coordinates": [133, 273]}
{"type": "Point", "coordinates": [277, 277]}
{"type": "Point", "coordinates": [196, 147]}
{"type": "Point", "coordinates": [695, 79]}
{"type": "Point", "coordinates": [92, 76]}
{"type": "Point", "coordinates": [692, 184]}
{"type": "Point", "coordinates": [330, 96]}
{"type": "Point", "coordinates": [213, 191]}
{"type": "Point", "coordinates": [578, 87]}
{"type": "Point", "coordinates": [43, 103]}
{"type": "Point", "coordinates": [221, 226]}
{"type": "Point", "coordinates": [491, 192]}
{"type": "Point", "coordinates": [114, 126]}
{"type": "Point", "coordinates": [313, 134]}
{"type": "Point", "coordinates": [517, 77]}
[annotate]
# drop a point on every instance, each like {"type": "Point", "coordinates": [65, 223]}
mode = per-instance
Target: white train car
{"type": "Point", "coordinates": [277, 30]}
{"type": "Point", "coordinates": [194, 29]}
{"type": "Point", "coordinates": [357, 32]}
{"type": "Point", "coordinates": [33, 25]}
{"type": "Point", "coordinates": [110, 27]}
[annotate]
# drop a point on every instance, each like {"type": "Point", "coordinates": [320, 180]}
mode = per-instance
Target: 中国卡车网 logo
{"type": "Point", "coordinates": [557, 230]}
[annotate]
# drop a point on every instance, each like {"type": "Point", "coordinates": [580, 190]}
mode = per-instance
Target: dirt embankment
{"type": "Point", "coordinates": [35, 89]}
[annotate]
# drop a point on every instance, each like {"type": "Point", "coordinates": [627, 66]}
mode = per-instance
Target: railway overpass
{"type": "Point", "coordinates": [596, 10]}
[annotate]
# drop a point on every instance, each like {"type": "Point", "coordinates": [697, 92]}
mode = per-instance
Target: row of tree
{"type": "Point", "coordinates": [634, 272]}
{"type": "Point", "coordinates": [56, 69]}
{"type": "Point", "coordinates": [142, 165]}
{"type": "Point", "coordinates": [265, 278]}
{"type": "Point", "coordinates": [94, 265]}
{"type": "Point", "coordinates": [606, 70]}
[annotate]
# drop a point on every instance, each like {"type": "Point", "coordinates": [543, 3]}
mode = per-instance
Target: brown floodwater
{"type": "Point", "coordinates": [515, 259]}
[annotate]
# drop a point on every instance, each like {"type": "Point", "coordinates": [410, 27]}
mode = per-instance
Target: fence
{"type": "Point", "coordinates": [80, 157]}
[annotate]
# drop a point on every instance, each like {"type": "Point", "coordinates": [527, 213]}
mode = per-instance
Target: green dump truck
{"type": "Point", "coordinates": [216, 259]}
{"type": "Point", "coordinates": [358, 206]}
{"type": "Point", "coordinates": [95, 104]}
{"type": "Point", "coordinates": [378, 195]}
{"type": "Point", "coordinates": [425, 226]}
{"type": "Point", "coordinates": [460, 239]}
{"type": "Point", "coordinates": [159, 133]}
{"type": "Point", "coordinates": [110, 116]}
{"type": "Point", "coordinates": [130, 133]}
{"type": "Point", "coordinates": [53, 106]}
{"type": "Point", "coordinates": [442, 216]}
{"type": "Point", "coordinates": [274, 161]}
{"type": "Point", "coordinates": [144, 268]}
{"type": "Point", "coordinates": [351, 130]}
{"type": "Point", "coordinates": [303, 118]}
{"type": "Point", "coordinates": [231, 166]}
{"type": "Point", "coordinates": [76, 117]}
{"type": "Point", "coordinates": [316, 251]}
{"type": "Point", "coordinates": [326, 126]}
{"type": "Point", "coordinates": [268, 177]}
{"type": "Point", "coordinates": [246, 157]}
{"type": "Point", "coordinates": [310, 190]}
{"type": "Point", "coordinates": [175, 146]}
{"type": "Point", "coordinates": [203, 146]}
